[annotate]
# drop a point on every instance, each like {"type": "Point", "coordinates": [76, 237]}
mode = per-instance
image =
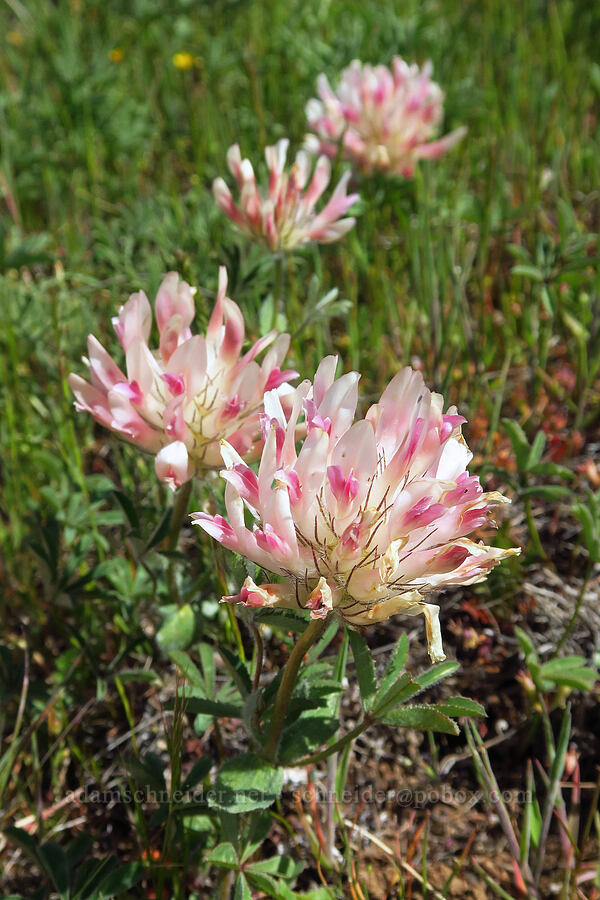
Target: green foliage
{"type": "Point", "coordinates": [558, 676]}
{"type": "Point", "coordinates": [72, 874]}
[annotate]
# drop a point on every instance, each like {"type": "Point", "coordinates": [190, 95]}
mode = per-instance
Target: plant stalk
{"type": "Point", "coordinates": [180, 506]}
{"type": "Point", "coordinates": [334, 748]}
{"type": "Point", "coordinates": [312, 634]}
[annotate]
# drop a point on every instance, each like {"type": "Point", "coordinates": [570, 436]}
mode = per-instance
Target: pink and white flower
{"type": "Point", "coordinates": [384, 120]}
{"type": "Point", "coordinates": [285, 218]}
{"type": "Point", "coordinates": [181, 399]}
{"type": "Point", "coordinates": [369, 517]}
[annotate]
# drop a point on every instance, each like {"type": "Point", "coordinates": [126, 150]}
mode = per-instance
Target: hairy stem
{"type": "Point", "coordinates": [335, 748]}
{"type": "Point", "coordinates": [312, 634]}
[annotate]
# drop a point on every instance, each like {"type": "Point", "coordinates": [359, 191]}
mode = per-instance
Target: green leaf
{"type": "Point", "coordinates": [177, 632]}
{"type": "Point", "coordinates": [519, 442]}
{"type": "Point", "coordinates": [286, 619]}
{"type": "Point", "coordinates": [461, 706]}
{"type": "Point", "coordinates": [546, 492]}
{"type": "Point", "coordinates": [537, 449]}
{"type": "Point", "coordinates": [281, 866]}
{"type": "Point", "coordinates": [569, 671]}
{"type": "Point", "coordinates": [550, 470]}
{"type": "Point", "coordinates": [528, 271]}
{"type": "Point", "coordinates": [224, 856]}
{"type": "Point", "coordinates": [118, 881]}
{"type": "Point", "coordinates": [242, 888]}
{"type": "Point", "coordinates": [316, 651]}
{"type": "Point", "coordinates": [23, 839]}
{"type": "Point", "coordinates": [395, 665]}
{"type": "Point", "coordinates": [197, 773]}
{"type": "Point", "coordinates": [207, 659]}
{"type": "Point", "coordinates": [276, 890]}
{"type": "Point", "coordinates": [260, 825]}
{"type": "Point", "coordinates": [422, 718]}
{"type": "Point", "coordinates": [89, 874]}
{"type": "Point", "coordinates": [525, 643]}
{"type": "Point", "coordinates": [437, 673]}
{"type": "Point", "coordinates": [188, 668]}
{"type": "Point", "coordinates": [237, 670]}
{"type": "Point", "coordinates": [201, 706]}
{"type": "Point", "coordinates": [160, 532]}
{"type": "Point", "coordinates": [244, 783]}
{"type": "Point", "coordinates": [404, 688]}
{"type": "Point", "coordinates": [305, 735]}
{"type": "Point", "coordinates": [138, 675]}
{"type": "Point", "coordinates": [148, 772]}
{"type": "Point", "coordinates": [519, 252]}
{"type": "Point", "coordinates": [591, 532]}
{"type": "Point", "coordinates": [365, 668]}
{"type": "Point", "coordinates": [54, 861]}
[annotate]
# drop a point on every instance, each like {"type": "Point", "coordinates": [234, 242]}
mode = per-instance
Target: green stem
{"type": "Point", "coordinates": [312, 634]}
{"type": "Point", "coordinates": [225, 886]}
{"type": "Point", "coordinates": [536, 544]}
{"type": "Point", "coordinates": [279, 262]}
{"type": "Point", "coordinates": [334, 748]}
{"type": "Point", "coordinates": [180, 506]}
{"type": "Point", "coordinates": [260, 650]}
{"type": "Point", "coordinates": [575, 615]}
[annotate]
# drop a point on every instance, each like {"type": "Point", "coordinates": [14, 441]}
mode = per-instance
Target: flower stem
{"type": "Point", "coordinates": [536, 544]}
{"type": "Point", "coordinates": [575, 614]}
{"type": "Point", "coordinates": [279, 265]}
{"type": "Point", "coordinates": [182, 498]}
{"type": "Point", "coordinates": [334, 748]}
{"type": "Point", "coordinates": [180, 506]}
{"type": "Point", "coordinates": [312, 634]}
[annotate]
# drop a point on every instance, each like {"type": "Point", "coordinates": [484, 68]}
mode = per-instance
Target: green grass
{"type": "Point", "coordinates": [105, 171]}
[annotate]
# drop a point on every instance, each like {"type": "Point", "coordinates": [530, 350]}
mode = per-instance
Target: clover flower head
{"type": "Point", "coordinates": [285, 217]}
{"type": "Point", "coordinates": [368, 518]}
{"type": "Point", "coordinates": [180, 399]}
{"type": "Point", "coordinates": [383, 120]}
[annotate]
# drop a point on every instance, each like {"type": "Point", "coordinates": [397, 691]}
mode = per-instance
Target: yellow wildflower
{"type": "Point", "coordinates": [184, 60]}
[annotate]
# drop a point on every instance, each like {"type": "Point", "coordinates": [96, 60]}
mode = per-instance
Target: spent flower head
{"type": "Point", "coordinates": [381, 120]}
{"type": "Point", "coordinates": [192, 391]}
{"type": "Point", "coordinates": [369, 517]}
{"type": "Point", "coordinates": [285, 217]}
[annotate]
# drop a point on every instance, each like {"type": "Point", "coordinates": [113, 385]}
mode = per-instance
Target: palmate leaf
{"type": "Point", "coordinates": [224, 856]}
{"type": "Point", "coordinates": [244, 783]}
{"type": "Point", "coordinates": [306, 735]}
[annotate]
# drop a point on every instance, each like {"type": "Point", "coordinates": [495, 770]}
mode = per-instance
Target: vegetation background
{"type": "Point", "coordinates": [115, 117]}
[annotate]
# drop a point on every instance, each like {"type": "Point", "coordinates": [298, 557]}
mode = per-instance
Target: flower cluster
{"type": "Point", "coordinates": [369, 517]}
{"type": "Point", "coordinates": [384, 120]}
{"type": "Point", "coordinates": [286, 218]}
{"type": "Point", "coordinates": [180, 400]}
